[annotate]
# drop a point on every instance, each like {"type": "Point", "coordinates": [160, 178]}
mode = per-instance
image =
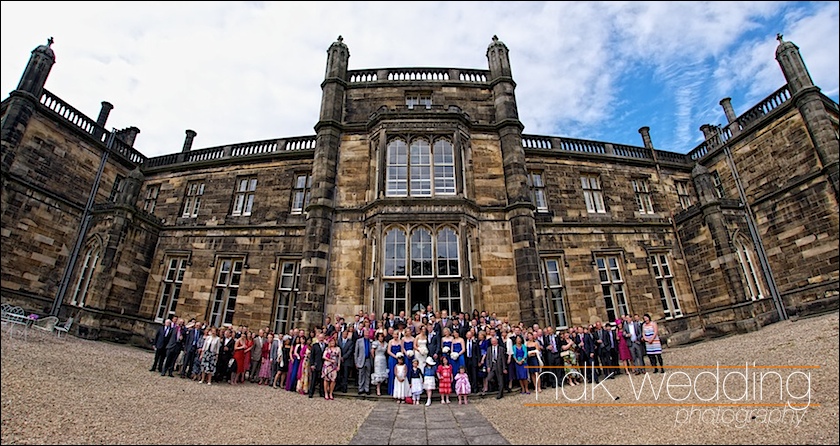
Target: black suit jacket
{"type": "Point", "coordinates": [476, 353]}
{"type": "Point", "coordinates": [317, 358]}
{"type": "Point", "coordinates": [433, 344]}
{"type": "Point", "coordinates": [609, 342]}
{"type": "Point", "coordinates": [497, 364]}
{"type": "Point", "coordinates": [348, 350]}
{"type": "Point", "coordinates": [162, 337]}
{"type": "Point", "coordinates": [174, 341]}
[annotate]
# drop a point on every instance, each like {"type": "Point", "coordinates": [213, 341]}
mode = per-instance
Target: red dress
{"type": "Point", "coordinates": [444, 379]}
{"type": "Point", "coordinates": [239, 356]}
{"type": "Point", "coordinates": [623, 350]}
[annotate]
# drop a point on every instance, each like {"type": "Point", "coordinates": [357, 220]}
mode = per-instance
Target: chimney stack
{"type": "Point", "coordinates": [645, 131]}
{"type": "Point", "coordinates": [188, 141]}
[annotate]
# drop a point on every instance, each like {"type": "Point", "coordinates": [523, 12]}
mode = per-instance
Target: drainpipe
{"type": "Point", "coordinates": [759, 246]}
{"type": "Point", "coordinates": [80, 236]}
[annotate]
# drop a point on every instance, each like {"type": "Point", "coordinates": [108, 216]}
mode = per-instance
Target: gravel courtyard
{"type": "Point", "coordinates": [73, 391]}
{"type": "Point", "coordinates": [807, 341]}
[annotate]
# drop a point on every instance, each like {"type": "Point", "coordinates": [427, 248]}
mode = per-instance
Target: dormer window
{"type": "Point", "coordinates": [418, 99]}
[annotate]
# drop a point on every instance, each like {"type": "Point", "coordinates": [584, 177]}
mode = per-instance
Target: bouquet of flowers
{"type": "Point", "coordinates": [400, 354]}
{"type": "Point", "coordinates": [424, 351]}
{"type": "Point", "coordinates": [445, 350]}
{"type": "Point", "coordinates": [409, 353]}
{"type": "Point", "coordinates": [454, 356]}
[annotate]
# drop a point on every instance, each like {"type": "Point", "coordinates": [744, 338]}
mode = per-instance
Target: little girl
{"type": "Point", "coordinates": [444, 374]}
{"type": "Point", "coordinates": [462, 385]}
{"type": "Point", "coordinates": [416, 381]}
{"type": "Point", "coordinates": [400, 380]}
{"type": "Point", "coordinates": [429, 379]}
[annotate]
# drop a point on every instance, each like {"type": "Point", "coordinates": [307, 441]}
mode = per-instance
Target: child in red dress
{"type": "Point", "coordinates": [444, 374]}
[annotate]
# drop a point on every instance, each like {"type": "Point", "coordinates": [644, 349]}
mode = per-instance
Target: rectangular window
{"type": "Point", "coordinates": [719, 190]}
{"type": "Point", "coordinates": [665, 282]}
{"type": "Point", "coordinates": [226, 291]}
{"type": "Point", "coordinates": [119, 183]}
{"type": "Point", "coordinates": [85, 276]}
{"type": "Point", "coordinates": [612, 287]}
{"type": "Point", "coordinates": [171, 289]}
{"type": "Point", "coordinates": [556, 299]}
{"type": "Point", "coordinates": [243, 200]}
{"type": "Point", "coordinates": [301, 192]}
{"type": "Point", "coordinates": [449, 296]}
{"type": "Point", "coordinates": [394, 297]}
{"type": "Point", "coordinates": [192, 201]}
{"type": "Point", "coordinates": [287, 287]}
{"type": "Point", "coordinates": [418, 99]}
{"type": "Point", "coordinates": [150, 201]}
{"type": "Point", "coordinates": [535, 183]}
{"type": "Point", "coordinates": [642, 192]}
{"type": "Point", "coordinates": [592, 194]}
{"type": "Point", "coordinates": [683, 194]}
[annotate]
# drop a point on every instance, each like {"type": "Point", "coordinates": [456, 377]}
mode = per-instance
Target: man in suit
{"type": "Point", "coordinates": [317, 363]}
{"type": "Point", "coordinates": [472, 355]}
{"type": "Point", "coordinates": [173, 347]}
{"type": "Point", "coordinates": [225, 354]}
{"type": "Point", "coordinates": [192, 343]}
{"type": "Point", "coordinates": [433, 341]}
{"type": "Point", "coordinates": [635, 341]}
{"type": "Point", "coordinates": [256, 356]}
{"type": "Point", "coordinates": [363, 362]}
{"type": "Point", "coordinates": [588, 353]}
{"type": "Point", "coordinates": [608, 346]}
{"type": "Point", "coordinates": [497, 365]}
{"type": "Point", "coordinates": [161, 339]}
{"type": "Point", "coordinates": [347, 345]}
{"type": "Point", "coordinates": [551, 344]}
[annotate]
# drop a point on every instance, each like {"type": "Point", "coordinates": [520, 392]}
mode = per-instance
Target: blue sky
{"type": "Point", "coordinates": [245, 71]}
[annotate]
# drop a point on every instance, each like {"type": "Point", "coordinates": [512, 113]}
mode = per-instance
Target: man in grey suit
{"type": "Point", "coordinates": [364, 362]}
{"type": "Point", "coordinates": [496, 365]}
{"type": "Point", "coordinates": [633, 336]}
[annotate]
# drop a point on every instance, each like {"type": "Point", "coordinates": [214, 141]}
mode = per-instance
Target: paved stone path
{"type": "Point", "coordinates": [392, 423]}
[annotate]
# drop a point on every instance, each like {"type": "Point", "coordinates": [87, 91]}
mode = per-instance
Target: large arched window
{"type": "Point", "coordinates": [447, 252]}
{"type": "Point", "coordinates": [395, 253]}
{"type": "Point", "coordinates": [421, 253]}
{"type": "Point", "coordinates": [432, 275]}
{"type": "Point", "coordinates": [745, 258]}
{"type": "Point", "coordinates": [89, 263]}
{"type": "Point", "coordinates": [420, 169]}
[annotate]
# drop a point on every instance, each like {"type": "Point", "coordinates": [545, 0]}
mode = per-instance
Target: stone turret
{"type": "Point", "coordinates": [321, 209]}
{"type": "Point", "coordinates": [38, 69]}
{"type": "Point", "coordinates": [808, 100]}
{"type": "Point", "coordinates": [520, 210]}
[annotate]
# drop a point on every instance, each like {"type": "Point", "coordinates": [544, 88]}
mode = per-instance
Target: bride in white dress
{"type": "Point", "coordinates": [422, 342]}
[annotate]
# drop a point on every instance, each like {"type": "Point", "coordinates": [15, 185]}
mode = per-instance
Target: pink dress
{"type": "Point", "coordinates": [623, 350]}
{"type": "Point", "coordinates": [462, 384]}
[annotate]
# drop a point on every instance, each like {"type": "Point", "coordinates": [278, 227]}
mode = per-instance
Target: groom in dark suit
{"type": "Point", "coordinates": [317, 363]}
{"type": "Point", "coordinates": [496, 365]}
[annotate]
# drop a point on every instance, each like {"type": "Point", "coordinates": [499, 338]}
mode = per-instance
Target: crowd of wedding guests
{"type": "Point", "coordinates": [407, 357]}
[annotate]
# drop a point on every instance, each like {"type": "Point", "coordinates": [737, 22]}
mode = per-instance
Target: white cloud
{"type": "Point", "coordinates": [237, 72]}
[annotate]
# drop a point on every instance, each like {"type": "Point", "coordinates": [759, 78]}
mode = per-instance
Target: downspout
{"type": "Point", "coordinates": [80, 236]}
{"type": "Point", "coordinates": [759, 246]}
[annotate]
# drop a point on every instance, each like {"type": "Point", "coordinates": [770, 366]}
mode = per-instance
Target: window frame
{"type": "Point", "coordinates": [593, 194]}
{"type": "Point", "coordinates": [618, 303]}
{"type": "Point", "coordinates": [86, 273]}
{"type": "Point", "coordinates": [150, 200]}
{"type": "Point", "coordinates": [305, 191]}
{"type": "Point", "coordinates": [225, 294]}
{"type": "Point", "coordinates": [717, 182]}
{"type": "Point", "coordinates": [754, 290]}
{"type": "Point", "coordinates": [405, 160]}
{"type": "Point", "coordinates": [642, 194]}
{"type": "Point", "coordinates": [117, 188]}
{"type": "Point", "coordinates": [538, 195]}
{"type": "Point", "coordinates": [555, 291]}
{"type": "Point", "coordinates": [243, 199]}
{"type": "Point", "coordinates": [192, 199]}
{"type": "Point", "coordinates": [170, 287]}
{"type": "Point", "coordinates": [413, 99]}
{"type": "Point", "coordinates": [285, 298]}
{"type": "Point", "coordinates": [683, 194]}
{"type": "Point", "coordinates": [663, 274]}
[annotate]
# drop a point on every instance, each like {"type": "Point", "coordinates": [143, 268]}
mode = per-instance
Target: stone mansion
{"type": "Point", "coordinates": [419, 187]}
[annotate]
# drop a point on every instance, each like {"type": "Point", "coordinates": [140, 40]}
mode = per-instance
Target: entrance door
{"type": "Point", "coordinates": [421, 296]}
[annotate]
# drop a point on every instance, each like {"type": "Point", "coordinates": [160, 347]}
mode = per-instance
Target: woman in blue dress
{"type": "Point", "coordinates": [395, 346]}
{"type": "Point", "coordinates": [483, 345]}
{"type": "Point", "coordinates": [458, 346]}
{"type": "Point", "coordinates": [520, 360]}
{"type": "Point", "coordinates": [408, 345]}
{"type": "Point", "coordinates": [291, 381]}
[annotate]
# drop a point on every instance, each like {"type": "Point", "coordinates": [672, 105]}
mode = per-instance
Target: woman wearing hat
{"type": "Point", "coordinates": [429, 379]}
